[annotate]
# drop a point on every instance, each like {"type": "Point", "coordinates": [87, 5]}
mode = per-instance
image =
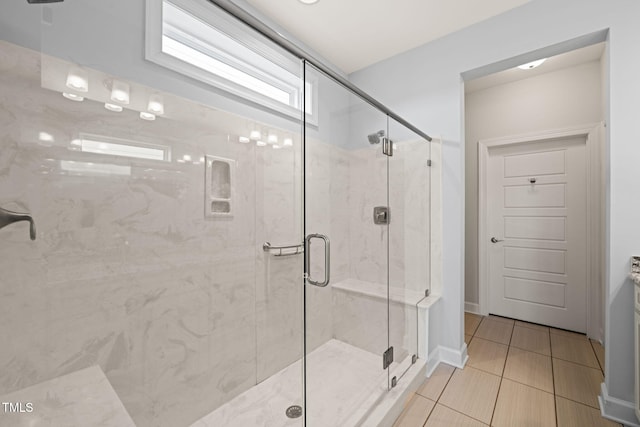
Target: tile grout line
{"type": "Point", "coordinates": [433, 408]}
{"type": "Point", "coordinates": [553, 380]}
{"type": "Point", "coordinates": [495, 405]}
{"type": "Point", "coordinates": [445, 387]}
{"type": "Point", "coordinates": [465, 415]}
{"type": "Point", "coordinates": [439, 395]}
{"type": "Point", "coordinates": [596, 354]}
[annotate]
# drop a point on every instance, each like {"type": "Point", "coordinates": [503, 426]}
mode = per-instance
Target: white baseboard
{"type": "Point", "coordinates": [472, 307]}
{"type": "Point", "coordinates": [457, 358]}
{"type": "Point", "coordinates": [616, 409]}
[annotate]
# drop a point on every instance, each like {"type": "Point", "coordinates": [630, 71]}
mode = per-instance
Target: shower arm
{"type": "Point", "coordinates": [9, 217]}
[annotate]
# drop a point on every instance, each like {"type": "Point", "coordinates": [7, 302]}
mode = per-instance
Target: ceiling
{"type": "Point", "coordinates": [353, 34]}
{"type": "Point", "coordinates": [570, 59]}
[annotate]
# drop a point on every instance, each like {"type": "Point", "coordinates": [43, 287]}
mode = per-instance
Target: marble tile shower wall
{"type": "Point", "coordinates": [179, 311]}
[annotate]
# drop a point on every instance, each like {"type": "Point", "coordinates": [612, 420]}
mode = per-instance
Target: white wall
{"type": "Point", "coordinates": [555, 100]}
{"type": "Point", "coordinates": [425, 85]}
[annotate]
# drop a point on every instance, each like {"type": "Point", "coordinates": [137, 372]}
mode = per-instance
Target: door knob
{"type": "Point", "coordinates": [494, 240]}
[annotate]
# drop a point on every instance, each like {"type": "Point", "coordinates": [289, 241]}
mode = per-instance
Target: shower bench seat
{"type": "Point", "coordinates": [360, 316]}
{"type": "Point", "coordinates": [81, 398]}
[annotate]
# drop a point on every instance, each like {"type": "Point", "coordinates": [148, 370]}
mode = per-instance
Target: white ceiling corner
{"type": "Point", "coordinates": [354, 34]}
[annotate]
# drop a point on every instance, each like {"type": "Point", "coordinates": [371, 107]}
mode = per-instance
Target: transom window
{"type": "Point", "coordinates": [206, 44]}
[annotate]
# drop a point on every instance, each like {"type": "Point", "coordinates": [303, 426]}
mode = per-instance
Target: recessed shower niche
{"type": "Point", "coordinates": [219, 184]}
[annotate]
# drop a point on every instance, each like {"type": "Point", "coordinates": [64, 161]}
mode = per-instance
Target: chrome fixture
{"type": "Point", "coordinates": [327, 259]}
{"type": "Point", "coordinates": [381, 215]}
{"type": "Point", "coordinates": [282, 250]}
{"type": "Point", "coordinates": [44, 1]}
{"type": "Point", "coordinates": [375, 138]}
{"type": "Point", "coordinates": [494, 240]}
{"type": "Point", "coordinates": [9, 217]}
{"type": "Point", "coordinates": [294, 411]}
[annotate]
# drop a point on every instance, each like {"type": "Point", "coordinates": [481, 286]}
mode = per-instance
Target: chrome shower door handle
{"type": "Point", "coordinates": [327, 259]}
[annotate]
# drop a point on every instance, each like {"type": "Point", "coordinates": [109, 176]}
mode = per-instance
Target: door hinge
{"type": "Point", "coordinates": [387, 147]}
{"type": "Point", "coordinates": [387, 358]}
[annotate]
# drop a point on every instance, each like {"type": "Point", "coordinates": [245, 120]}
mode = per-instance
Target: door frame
{"type": "Point", "coordinates": [594, 134]}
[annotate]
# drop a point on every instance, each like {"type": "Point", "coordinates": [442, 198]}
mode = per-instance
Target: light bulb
{"type": "Point", "coordinates": [155, 106]}
{"type": "Point", "coordinates": [272, 138]}
{"type": "Point", "coordinates": [73, 96]}
{"type": "Point", "coordinates": [113, 107]}
{"type": "Point", "coordinates": [147, 116]}
{"type": "Point", "coordinates": [261, 143]}
{"type": "Point", "coordinates": [78, 79]}
{"type": "Point", "coordinates": [255, 135]}
{"type": "Point", "coordinates": [532, 64]}
{"type": "Point", "coordinates": [243, 139]}
{"type": "Point", "coordinates": [288, 142]}
{"type": "Point", "coordinates": [120, 92]}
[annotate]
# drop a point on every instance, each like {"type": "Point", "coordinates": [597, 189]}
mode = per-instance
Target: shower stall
{"type": "Point", "coordinates": [226, 233]}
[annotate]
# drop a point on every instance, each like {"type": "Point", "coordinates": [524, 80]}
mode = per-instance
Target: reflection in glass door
{"type": "Point", "coordinates": [346, 292]}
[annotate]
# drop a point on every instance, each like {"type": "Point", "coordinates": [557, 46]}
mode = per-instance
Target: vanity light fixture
{"type": "Point", "coordinates": [113, 107]}
{"type": "Point", "coordinates": [120, 93]}
{"type": "Point", "coordinates": [531, 65]}
{"type": "Point", "coordinates": [45, 137]}
{"type": "Point", "coordinates": [156, 106]}
{"type": "Point", "coordinates": [272, 138]}
{"type": "Point", "coordinates": [78, 79]}
{"type": "Point", "coordinates": [276, 147]}
{"type": "Point", "coordinates": [255, 135]}
{"type": "Point", "coordinates": [288, 142]}
{"type": "Point", "coordinates": [244, 139]}
{"type": "Point", "coordinates": [260, 143]}
{"type": "Point", "coordinates": [73, 96]}
{"type": "Point", "coordinates": [147, 116]}
{"type": "Point", "coordinates": [308, 1]}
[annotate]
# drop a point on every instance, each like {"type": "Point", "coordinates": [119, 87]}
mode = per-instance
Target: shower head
{"type": "Point", "coordinates": [375, 138]}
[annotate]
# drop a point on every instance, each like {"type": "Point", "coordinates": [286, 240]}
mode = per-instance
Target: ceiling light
{"type": "Point", "coordinates": [308, 1]}
{"type": "Point", "coordinates": [243, 139]}
{"type": "Point", "coordinates": [531, 65]}
{"type": "Point", "coordinates": [261, 143]}
{"type": "Point", "coordinates": [78, 79]}
{"type": "Point", "coordinates": [113, 107]}
{"type": "Point", "coordinates": [147, 116]}
{"type": "Point", "coordinates": [120, 92]}
{"type": "Point", "coordinates": [156, 105]}
{"type": "Point", "coordinates": [288, 142]}
{"type": "Point", "coordinates": [73, 96]}
{"type": "Point", "coordinates": [255, 135]}
{"type": "Point", "coordinates": [272, 138]}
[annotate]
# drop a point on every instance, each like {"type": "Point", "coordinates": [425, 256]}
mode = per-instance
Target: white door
{"type": "Point", "coordinates": [537, 216]}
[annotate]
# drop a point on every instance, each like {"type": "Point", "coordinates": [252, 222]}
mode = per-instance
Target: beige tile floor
{"type": "Point", "coordinates": [518, 374]}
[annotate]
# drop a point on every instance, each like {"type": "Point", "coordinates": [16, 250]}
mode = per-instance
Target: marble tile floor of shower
{"type": "Point", "coordinates": [342, 378]}
{"type": "Point", "coordinates": [518, 374]}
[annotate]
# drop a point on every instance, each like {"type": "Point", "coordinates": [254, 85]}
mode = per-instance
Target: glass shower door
{"type": "Point", "coordinates": [409, 243]}
{"type": "Point", "coordinates": [346, 286]}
